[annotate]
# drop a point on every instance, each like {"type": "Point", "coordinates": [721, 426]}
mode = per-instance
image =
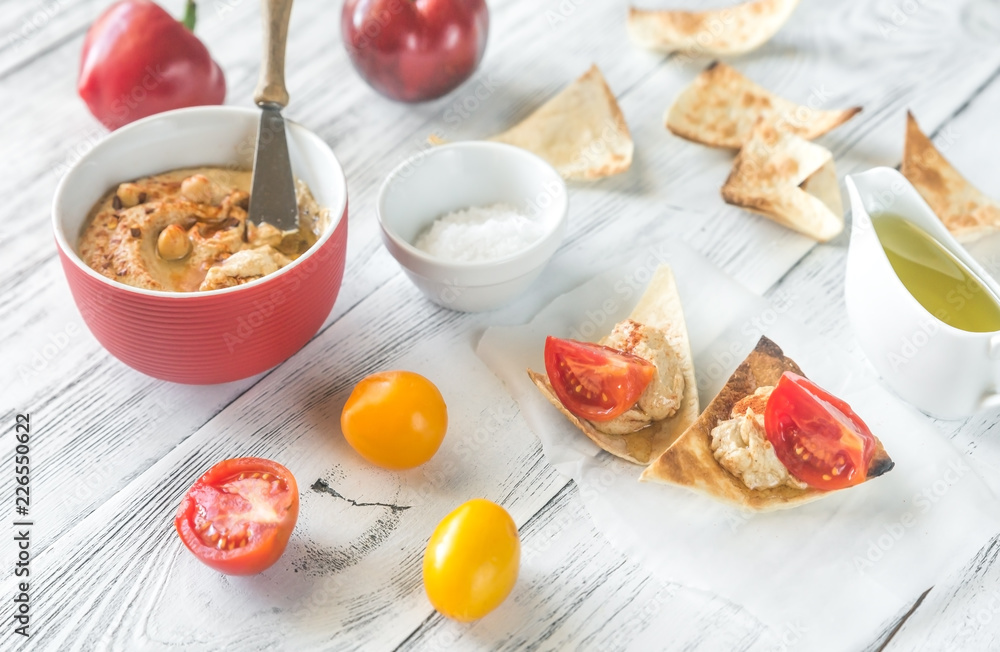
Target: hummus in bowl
{"type": "Point", "coordinates": [187, 230]}
{"type": "Point", "coordinates": [195, 294]}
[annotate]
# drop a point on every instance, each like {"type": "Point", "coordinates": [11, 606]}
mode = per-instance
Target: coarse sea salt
{"type": "Point", "coordinates": [479, 233]}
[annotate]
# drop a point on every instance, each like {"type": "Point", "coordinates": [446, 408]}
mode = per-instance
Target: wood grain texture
{"type": "Point", "coordinates": [124, 447]}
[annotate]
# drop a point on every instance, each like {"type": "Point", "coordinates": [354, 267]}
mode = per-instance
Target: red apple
{"type": "Point", "coordinates": [415, 50]}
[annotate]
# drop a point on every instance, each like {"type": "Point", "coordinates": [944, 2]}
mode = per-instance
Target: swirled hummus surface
{"type": "Point", "coordinates": [187, 230]}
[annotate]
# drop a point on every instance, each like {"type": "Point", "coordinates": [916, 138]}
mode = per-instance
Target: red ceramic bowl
{"type": "Point", "coordinates": [203, 337]}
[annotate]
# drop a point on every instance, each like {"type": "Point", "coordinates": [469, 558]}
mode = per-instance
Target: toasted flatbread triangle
{"type": "Point", "coordinates": [690, 462]}
{"type": "Point", "coordinates": [721, 106]}
{"type": "Point", "coordinates": [581, 131]}
{"type": "Point", "coordinates": [733, 30]}
{"type": "Point", "coordinates": [965, 211]}
{"type": "Point", "coordinates": [660, 307]}
{"type": "Point", "coordinates": [788, 179]}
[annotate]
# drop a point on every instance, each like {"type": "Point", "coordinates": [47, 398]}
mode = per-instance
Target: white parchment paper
{"type": "Point", "coordinates": [827, 575]}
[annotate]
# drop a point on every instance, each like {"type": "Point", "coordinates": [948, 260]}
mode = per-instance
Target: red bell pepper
{"type": "Point", "coordinates": [138, 60]}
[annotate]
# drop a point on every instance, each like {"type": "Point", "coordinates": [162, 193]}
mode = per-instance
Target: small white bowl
{"type": "Point", "coordinates": [456, 176]}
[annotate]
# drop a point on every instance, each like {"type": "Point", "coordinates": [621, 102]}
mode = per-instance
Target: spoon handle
{"type": "Point", "coordinates": [271, 84]}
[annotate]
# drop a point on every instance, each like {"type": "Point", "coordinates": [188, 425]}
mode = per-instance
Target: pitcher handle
{"type": "Point", "coordinates": [990, 401]}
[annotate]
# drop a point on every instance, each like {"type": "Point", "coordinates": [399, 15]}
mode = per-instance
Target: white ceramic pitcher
{"type": "Point", "coordinates": [942, 370]}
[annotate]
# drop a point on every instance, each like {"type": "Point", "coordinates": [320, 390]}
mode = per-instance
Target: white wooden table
{"type": "Point", "coordinates": [113, 450]}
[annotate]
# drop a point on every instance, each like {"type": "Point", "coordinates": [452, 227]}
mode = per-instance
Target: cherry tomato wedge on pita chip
{"type": "Point", "coordinates": [238, 517]}
{"type": "Point", "coordinates": [816, 435]}
{"type": "Point", "coordinates": [595, 382]}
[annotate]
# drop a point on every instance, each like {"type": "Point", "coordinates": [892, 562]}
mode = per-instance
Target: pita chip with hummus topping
{"type": "Point", "coordinates": [691, 463]}
{"type": "Point", "coordinates": [721, 106]}
{"type": "Point", "coordinates": [660, 308]}
{"type": "Point", "coordinates": [733, 30]}
{"type": "Point", "coordinates": [581, 131]}
{"type": "Point", "coordinates": [966, 212]}
{"type": "Point", "coordinates": [789, 180]}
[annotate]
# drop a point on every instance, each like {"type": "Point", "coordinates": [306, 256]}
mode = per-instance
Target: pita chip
{"type": "Point", "coordinates": [965, 211]}
{"type": "Point", "coordinates": [721, 106]}
{"type": "Point", "coordinates": [733, 30]}
{"type": "Point", "coordinates": [789, 180]}
{"type": "Point", "coordinates": [581, 131]}
{"type": "Point", "coordinates": [690, 463]}
{"type": "Point", "coordinates": [660, 307]}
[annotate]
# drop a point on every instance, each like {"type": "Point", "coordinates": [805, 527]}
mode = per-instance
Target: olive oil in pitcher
{"type": "Point", "coordinates": [938, 280]}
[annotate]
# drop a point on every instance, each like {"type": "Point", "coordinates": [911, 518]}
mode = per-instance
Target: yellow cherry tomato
{"type": "Point", "coordinates": [395, 419]}
{"type": "Point", "coordinates": [472, 560]}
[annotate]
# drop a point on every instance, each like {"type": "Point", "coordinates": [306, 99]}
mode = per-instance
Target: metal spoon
{"type": "Point", "coordinates": [272, 194]}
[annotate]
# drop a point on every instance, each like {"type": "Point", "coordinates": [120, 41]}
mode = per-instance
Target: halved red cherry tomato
{"type": "Point", "coordinates": [595, 382]}
{"type": "Point", "coordinates": [816, 435]}
{"type": "Point", "coordinates": [237, 518]}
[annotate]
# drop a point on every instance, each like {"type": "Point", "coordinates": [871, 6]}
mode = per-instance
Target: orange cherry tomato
{"type": "Point", "coordinates": [817, 436]}
{"type": "Point", "coordinates": [472, 560]}
{"type": "Point", "coordinates": [595, 382]}
{"type": "Point", "coordinates": [395, 419]}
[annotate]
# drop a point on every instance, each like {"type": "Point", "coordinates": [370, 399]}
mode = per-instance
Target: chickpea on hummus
{"type": "Point", "coordinates": [187, 230]}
